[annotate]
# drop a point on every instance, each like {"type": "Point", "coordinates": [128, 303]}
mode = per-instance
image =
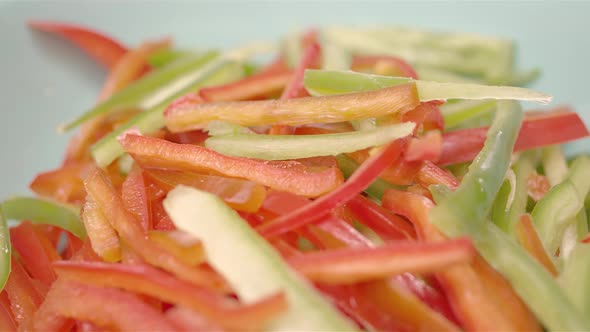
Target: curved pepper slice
{"type": "Point", "coordinates": [294, 176]}
{"type": "Point", "coordinates": [102, 48]}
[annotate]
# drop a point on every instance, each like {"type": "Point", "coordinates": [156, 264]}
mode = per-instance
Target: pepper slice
{"type": "Point", "coordinates": [297, 111]}
{"type": "Point", "coordinates": [358, 182]}
{"type": "Point", "coordinates": [5, 251]}
{"type": "Point", "coordinates": [293, 176]}
{"type": "Point", "coordinates": [354, 265]}
{"type": "Point", "coordinates": [102, 48]}
{"type": "Point", "coordinates": [147, 280]}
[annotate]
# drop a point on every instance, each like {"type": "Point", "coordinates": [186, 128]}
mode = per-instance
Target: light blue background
{"type": "Point", "coordinates": [44, 81]}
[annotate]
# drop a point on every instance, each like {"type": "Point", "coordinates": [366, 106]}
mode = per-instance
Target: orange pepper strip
{"type": "Point", "coordinates": [187, 320]}
{"type": "Point", "coordinates": [187, 249]}
{"type": "Point", "coordinates": [110, 204]}
{"type": "Point", "coordinates": [354, 265]}
{"type": "Point", "coordinates": [242, 195]}
{"type": "Point", "coordinates": [102, 235]}
{"type": "Point", "coordinates": [147, 280]}
{"type": "Point", "coordinates": [135, 197]}
{"type": "Point", "coordinates": [293, 176]}
{"type": "Point", "coordinates": [298, 111]}
{"type": "Point", "coordinates": [465, 284]}
{"type": "Point", "coordinates": [529, 239]}
{"type": "Point", "coordinates": [23, 295]}
{"type": "Point", "coordinates": [252, 87]}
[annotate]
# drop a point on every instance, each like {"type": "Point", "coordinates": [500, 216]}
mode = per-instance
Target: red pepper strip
{"type": "Point", "coordinates": [388, 226]}
{"type": "Point", "coordinates": [334, 233]}
{"type": "Point", "coordinates": [101, 48]}
{"type": "Point", "coordinates": [529, 238]}
{"type": "Point", "coordinates": [430, 174]}
{"type": "Point", "coordinates": [187, 320]}
{"type": "Point", "coordinates": [106, 307]}
{"type": "Point", "coordinates": [295, 88]}
{"type": "Point", "coordinates": [187, 249]}
{"type": "Point", "coordinates": [354, 265]}
{"type": "Point", "coordinates": [135, 197]}
{"type": "Point", "coordinates": [536, 131]}
{"type": "Point", "coordinates": [293, 176]}
{"type": "Point", "coordinates": [358, 182]}
{"type": "Point", "coordinates": [109, 202]}
{"type": "Point", "coordinates": [22, 293]}
{"type": "Point", "coordinates": [63, 184]}
{"type": "Point", "coordinates": [465, 284]}
{"type": "Point", "coordinates": [131, 66]}
{"type": "Point", "coordinates": [146, 280]}
{"type": "Point", "coordinates": [400, 66]}
{"type": "Point", "coordinates": [35, 251]}
{"type": "Point", "coordinates": [242, 195]}
{"type": "Point", "coordinates": [7, 321]}
{"type": "Point", "coordinates": [425, 148]}
{"type": "Point", "coordinates": [259, 85]}
{"type": "Point", "coordinates": [537, 186]}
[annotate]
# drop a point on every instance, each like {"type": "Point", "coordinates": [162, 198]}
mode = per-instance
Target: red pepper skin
{"type": "Point", "coordinates": [536, 131]}
{"type": "Point", "coordinates": [105, 50]}
{"type": "Point", "coordinates": [387, 225]}
{"type": "Point", "coordinates": [296, 176]}
{"type": "Point", "coordinates": [358, 182]}
{"type": "Point", "coordinates": [402, 67]}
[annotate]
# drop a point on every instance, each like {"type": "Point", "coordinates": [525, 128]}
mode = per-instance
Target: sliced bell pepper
{"type": "Point", "coordinates": [574, 275]}
{"type": "Point", "coordinates": [5, 251]}
{"type": "Point", "coordinates": [131, 66]}
{"type": "Point", "coordinates": [102, 235]}
{"type": "Point", "coordinates": [375, 189]}
{"type": "Point", "coordinates": [265, 275]}
{"type": "Point", "coordinates": [529, 239]}
{"type": "Point", "coordinates": [293, 176]}
{"type": "Point", "coordinates": [387, 225]}
{"type": "Point", "coordinates": [354, 265]}
{"type": "Point", "coordinates": [541, 130]}
{"type": "Point", "coordinates": [151, 120]}
{"type": "Point", "coordinates": [463, 285]}
{"type": "Point", "coordinates": [7, 322]}
{"type": "Point", "coordinates": [149, 91]}
{"type": "Point", "coordinates": [23, 295]}
{"type": "Point", "coordinates": [35, 251]}
{"type": "Point", "coordinates": [63, 184]}
{"type": "Point", "coordinates": [129, 229]}
{"type": "Point", "coordinates": [102, 48]}
{"type": "Point", "coordinates": [427, 147]}
{"type": "Point", "coordinates": [124, 311]}
{"type": "Point", "coordinates": [135, 197]}
{"type": "Point", "coordinates": [281, 147]}
{"type": "Point", "coordinates": [44, 211]}
{"type": "Point", "coordinates": [397, 65]}
{"type": "Point", "coordinates": [150, 281]}
{"type": "Point", "coordinates": [294, 88]}
{"type": "Point", "coordinates": [242, 195]}
{"type": "Point", "coordinates": [430, 174]}
{"type": "Point", "coordinates": [558, 209]}
{"type": "Point", "coordinates": [357, 183]}
{"type": "Point", "coordinates": [297, 111]}
{"type": "Point", "coordinates": [268, 81]}
{"type": "Point", "coordinates": [186, 248]}
{"type": "Point", "coordinates": [330, 82]}
{"type": "Point", "coordinates": [187, 320]}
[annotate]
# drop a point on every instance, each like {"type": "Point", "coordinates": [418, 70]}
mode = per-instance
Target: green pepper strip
{"type": "Point", "coordinates": [149, 91]}
{"type": "Point", "coordinates": [45, 212]}
{"type": "Point", "coordinates": [282, 147]}
{"type": "Point", "coordinates": [216, 72]}
{"type": "Point", "coordinates": [463, 110]}
{"type": "Point", "coordinates": [166, 56]}
{"type": "Point", "coordinates": [575, 275]}
{"type": "Point", "coordinates": [559, 207]}
{"type": "Point", "coordinates": [5, 250]}
{"type": "Point", "coordinates": [376, 189]}
{"type": "Point", "coordinates": [329, 82]}
{"type": "Point", "coordinates": [465, 212]}
{"type": "Point", "coordinates": [506, 217]}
